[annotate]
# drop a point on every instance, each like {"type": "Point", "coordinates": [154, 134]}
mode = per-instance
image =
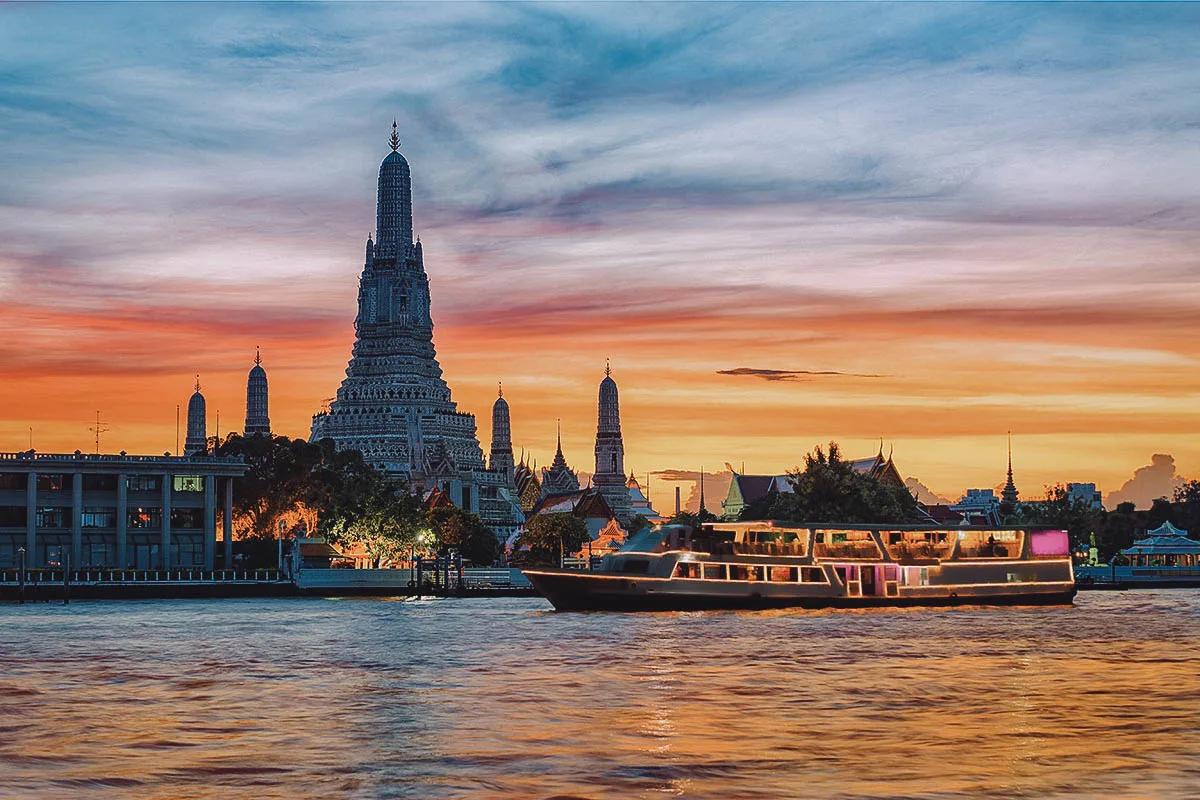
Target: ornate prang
{"type": "Point", "coordinates": [395, 140]}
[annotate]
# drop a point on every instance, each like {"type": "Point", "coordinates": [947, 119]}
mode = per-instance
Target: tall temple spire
{"type": "Point", "coordinates": [258, 421]}
{"type": "Point", "coordinates": [609, 476]}
{"type": "Point", "coordinates": [393, 223]}
{"type": "Point", "coordinates": [1009, 495]}
{"type": "Point", "coordinates": [197, 425]}
{"type": "Point", "coordinates": [394, 400]}
{"type": "Point", "coordinates": [501, 458]}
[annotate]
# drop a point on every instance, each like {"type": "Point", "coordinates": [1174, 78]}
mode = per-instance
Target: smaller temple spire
{"type": "Point", "coordinates": [395, 140]}
{"type": "Point", "coordinates": [1009, 495]}
{"type": "Point", "coordinates": [559, 452]}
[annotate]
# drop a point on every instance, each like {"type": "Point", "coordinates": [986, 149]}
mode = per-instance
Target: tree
{"type": "Point", "coordinates": [636, 524]}
{"type": "Point", "coordinates": [828, 489]}
{"type": "Point", "coordinates": [385, 520]}
{"type": "Point", "coordinates": [551, 536]}
{"type": "Point", "coordinates": [454, 528]}
{"type": "Point", "coordinates": [1078, 517]}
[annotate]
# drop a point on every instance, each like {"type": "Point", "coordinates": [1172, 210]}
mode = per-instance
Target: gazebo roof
{"type": "Point", "coordinates": [1164, 540]}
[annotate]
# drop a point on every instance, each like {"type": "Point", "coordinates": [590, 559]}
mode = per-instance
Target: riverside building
{"type": "Point", "coordinates": [115, 511]}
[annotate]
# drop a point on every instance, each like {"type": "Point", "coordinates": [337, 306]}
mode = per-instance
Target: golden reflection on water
{"type": "Point", "coordinates": [476, 698]}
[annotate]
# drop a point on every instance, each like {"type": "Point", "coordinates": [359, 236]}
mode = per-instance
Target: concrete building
{"type": "Point", "coordinates": [1085, 493]}
{"type": "Point", "coordinates": [115, 511]}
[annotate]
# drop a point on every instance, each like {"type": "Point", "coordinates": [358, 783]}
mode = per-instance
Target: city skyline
{"type": "Point", "coordinates": [931, 224]}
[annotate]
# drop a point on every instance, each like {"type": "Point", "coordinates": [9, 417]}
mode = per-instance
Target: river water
{"type": "Point", "coordinates": [294, 698]}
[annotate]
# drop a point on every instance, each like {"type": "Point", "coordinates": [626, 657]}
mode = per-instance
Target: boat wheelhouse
{"type": "Point", "coordinates": [778, 564]}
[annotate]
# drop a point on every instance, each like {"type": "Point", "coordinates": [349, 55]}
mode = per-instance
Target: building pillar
{"type": "Point", "coordinates": [122, 520]}
{"type": "Point", "coordinates": [31, 551]}
{"type": "Point", "coordinates": [228, 524]}
{"type": "Point", "coordinates": [164, 547]}
{"type": "Point", "coordinates": [76, 520]}
{"type": "Point", "coordinates": [210, 521]}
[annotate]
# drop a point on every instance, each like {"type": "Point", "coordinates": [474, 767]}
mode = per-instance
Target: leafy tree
{"type": "Point", "coordinates": [277, 485]}
{"type": "Point", "coordinates": [1119, 529]}
{"type": "Point", "coordinates": [828, 489]}
{"type": "Point", "coordinates": [454, 528]}
{"type": "Point", "coordinates": [1186, 508]}
{"type": "Point", "coordinates": [386, 521]}
{"type": "Point", "coordinates": [693, 521]}
{"type": "Point", "coordinates": [1078, 517]}
{"type": "Point", "coordinates": [550, 536]}
{"type": "Point", "coordinates": [637, 524]}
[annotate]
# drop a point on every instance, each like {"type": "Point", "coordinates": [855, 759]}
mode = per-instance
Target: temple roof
{"type": "Point", "coordinates": [1164, 540]}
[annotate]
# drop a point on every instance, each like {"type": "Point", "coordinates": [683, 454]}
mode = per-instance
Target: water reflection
{"type": "Point", "coordinates": [442, 699]}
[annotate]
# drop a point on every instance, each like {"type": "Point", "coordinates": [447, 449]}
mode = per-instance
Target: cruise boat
{"type": "Point", "coordinates": [756, 565]}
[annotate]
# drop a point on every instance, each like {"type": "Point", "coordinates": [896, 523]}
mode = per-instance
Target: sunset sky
{"type": "Point", "coordinates": [784, 224]}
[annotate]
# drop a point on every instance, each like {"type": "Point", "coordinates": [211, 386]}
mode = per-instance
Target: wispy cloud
{"type": "Point", "coordinates": [793, 374]}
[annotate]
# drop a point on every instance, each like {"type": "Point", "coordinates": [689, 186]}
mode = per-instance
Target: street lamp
{"type": "Point", "coordinates": [21, 553]}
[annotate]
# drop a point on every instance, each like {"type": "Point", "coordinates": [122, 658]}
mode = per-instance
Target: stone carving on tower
{"type": "Point", "coordinates": [196, 442]}
{"type": "Point", "coordinates": [394, 406]}
{"type": "Point", "coordinates": [258, 423]}
{"type": "Point", "coordinates": [609, 476]}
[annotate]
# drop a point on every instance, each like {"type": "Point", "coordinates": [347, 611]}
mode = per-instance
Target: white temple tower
{"type": "Point", "coordinates": [501, 457]}
{"type": "Point", "coordinates": [609, 477]}
{"type": "Point", "coordinates": [197, 429]}
{"type": "Point", "coordinates": [394, 406]}
{"type": "Point", "coordinates": [258, 423]}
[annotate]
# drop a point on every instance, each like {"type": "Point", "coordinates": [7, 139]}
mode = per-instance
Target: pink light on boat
{"type": "Point", "coordinates": [1050, 543]}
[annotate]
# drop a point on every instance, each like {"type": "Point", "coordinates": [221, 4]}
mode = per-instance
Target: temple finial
{"type": "Point", "coordinates": [607, 368]}
{"type": "Point", "coordinates": [257, 356]}
{"type": "Point", "coordinates": [395, 140]}
{"type": "Point", "coordinates": [197, 381]}
{"type": "Point", "coordinates": [500, 389]}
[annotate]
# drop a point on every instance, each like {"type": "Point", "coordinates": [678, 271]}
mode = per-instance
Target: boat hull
{"type": "Point", "coordinates": [584, 591]}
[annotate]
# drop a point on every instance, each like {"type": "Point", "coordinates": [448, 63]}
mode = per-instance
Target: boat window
{"type": "Point", "coordinates": [783, 574]}
{"type": "Point", "coordinates": [687, 570]}
{"type": "Point", "coordinates": [745, 572]}
{"type": "Point", "coordinates": [812, 575]}
{"type": "Point", "coordinates": [714, 572]}
{"type": "Point", "coordinates": [635, 566]}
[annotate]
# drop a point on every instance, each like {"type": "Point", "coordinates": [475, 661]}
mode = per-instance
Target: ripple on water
{"type": "Point", "coordinates": [501, 699]}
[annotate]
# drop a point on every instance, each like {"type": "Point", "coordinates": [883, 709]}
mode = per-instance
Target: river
{"type": "Point", "coordinates": [290, 698]}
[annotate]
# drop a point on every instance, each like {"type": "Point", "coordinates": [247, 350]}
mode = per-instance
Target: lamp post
{"type": "Point", "coordinates": [279, 545]}
{"type": "Point", "coordinates": [21, 579]}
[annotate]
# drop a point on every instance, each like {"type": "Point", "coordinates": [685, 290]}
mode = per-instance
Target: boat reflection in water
{"type": "Point", "coordinates": [776, 564]}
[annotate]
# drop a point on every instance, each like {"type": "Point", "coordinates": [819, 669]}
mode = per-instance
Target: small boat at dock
{"type": "Point", "coordinates": [758, 565]}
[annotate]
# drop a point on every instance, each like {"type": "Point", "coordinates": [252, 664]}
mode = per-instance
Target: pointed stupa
{"type": "Point", "coordinates": [609, 476]}
{"type": "Point", "coordinates": [197, 429]}
{"type": "Point", "coordinates": [559, 478]}
{"type": "Point", "coordinates": [393, 219]}
{"type": "Point", "coordinates": [1009, 495]}
{"type": "Point", "coordinates": [258, 422]}
{"type": "Point", "coordinates": [501, 458]}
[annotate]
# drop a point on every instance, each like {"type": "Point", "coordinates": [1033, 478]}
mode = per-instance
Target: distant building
{"type": "Point", "coordinates": [558, 478]}
{"type": "Point", "coordinates": [745, 490]}
{"type": "Point", "coordinates": [258, 421]}
{"type": "Point", "coordinates": [640, 504]}
{"type": "Point", "coordinates": [1009, 496]}
{"type": "Point", "coordinates": [979, 507]}
{"type": "Point", "coordinates": [115, 511]}
{"type": "Point", "coordinates": [1084, 493]}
